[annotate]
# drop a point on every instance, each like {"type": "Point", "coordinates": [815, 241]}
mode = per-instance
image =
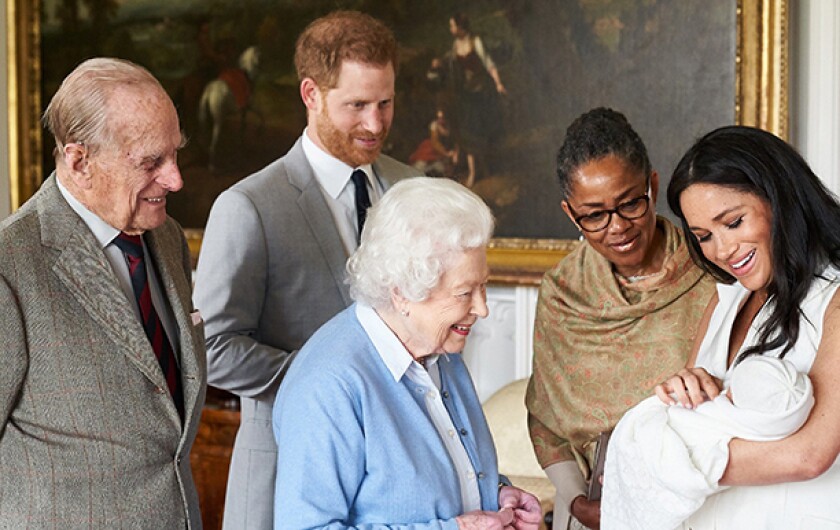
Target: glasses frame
{"type": "Point", "coordinates": [645, 197]}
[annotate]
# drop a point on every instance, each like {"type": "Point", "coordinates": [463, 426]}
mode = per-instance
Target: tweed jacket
{"type": "Point", "coordinates": [270, 273]}
{"type": "Point", "coordinates": [89, 436]}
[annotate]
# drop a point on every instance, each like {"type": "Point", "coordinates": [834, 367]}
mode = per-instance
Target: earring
{"type": "Point", "coordinates": [404, 312]}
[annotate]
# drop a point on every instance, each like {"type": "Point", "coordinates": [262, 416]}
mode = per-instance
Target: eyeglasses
{"type": "Point", "coordinates": [600, 219]}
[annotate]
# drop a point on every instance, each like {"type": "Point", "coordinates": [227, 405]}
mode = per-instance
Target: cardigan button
{"type": "Point", "coordinates": [445, 394]}
{"type": "Point", "coordinates": [463, 432]}
{"type": "Point", "coordinates": [481, 474]}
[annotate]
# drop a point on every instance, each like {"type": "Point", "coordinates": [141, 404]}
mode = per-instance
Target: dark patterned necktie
{"type": "Point", "coordinates": [132, 247]}
{"type": "Point", "coordinates": [362, 198]}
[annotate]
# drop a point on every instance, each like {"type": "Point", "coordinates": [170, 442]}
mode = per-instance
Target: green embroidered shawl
{"type": "Point", "coordinates": [601, 344]}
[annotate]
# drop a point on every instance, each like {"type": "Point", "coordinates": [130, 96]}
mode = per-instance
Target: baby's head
{"type": "Point", "coordinates": [766, 384]}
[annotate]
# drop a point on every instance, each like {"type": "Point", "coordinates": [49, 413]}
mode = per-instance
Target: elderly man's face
{"type": "Point", "coordinates": [131, 176]}
{"type": "Point", "coordinates": [353, 119]}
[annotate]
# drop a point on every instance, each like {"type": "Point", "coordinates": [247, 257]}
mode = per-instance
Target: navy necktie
{"type": "Point", "coordinates": [132, 247]}
{"type": "Point", "coordinates": [362, 198]}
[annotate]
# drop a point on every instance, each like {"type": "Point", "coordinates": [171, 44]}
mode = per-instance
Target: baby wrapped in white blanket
{"type": "Point", "coordinates": [664, 460]}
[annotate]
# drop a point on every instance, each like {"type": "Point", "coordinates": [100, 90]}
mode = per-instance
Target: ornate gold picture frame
{"type": "Point", "coordinates": [761, 99]}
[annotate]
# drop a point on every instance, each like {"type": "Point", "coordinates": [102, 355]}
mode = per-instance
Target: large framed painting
{"type": "Point", "coordinates": [677, 69]}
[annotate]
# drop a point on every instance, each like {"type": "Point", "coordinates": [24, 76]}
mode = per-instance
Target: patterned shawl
{"type": "Point", "coordinates": [601, 344]}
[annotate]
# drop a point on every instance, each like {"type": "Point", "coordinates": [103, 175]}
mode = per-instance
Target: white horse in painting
{"type": "Point", "coordinates": [218, 101]}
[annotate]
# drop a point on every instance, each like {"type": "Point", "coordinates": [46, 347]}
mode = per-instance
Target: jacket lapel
{"type": "Point", "coordinates": [83, 268]}
{"type": "Point", "coordinates": [317, 214]}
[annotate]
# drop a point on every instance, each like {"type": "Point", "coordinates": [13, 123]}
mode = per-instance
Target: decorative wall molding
{"type": "Point", "coordinates": [500, 347]}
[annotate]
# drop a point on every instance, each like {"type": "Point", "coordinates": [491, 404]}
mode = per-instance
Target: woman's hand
{"type": "Point", "coordinates": [481, 520]}
{"type": "Point", "coordinates": [526, 508]}
{"type": "Point", "coordinates": [690, 387]}
{"type": "Point", "coordinates": [587, 512]}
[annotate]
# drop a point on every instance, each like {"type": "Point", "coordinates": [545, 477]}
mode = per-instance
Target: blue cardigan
{"type": "Point", "coordinates": [357, 449]}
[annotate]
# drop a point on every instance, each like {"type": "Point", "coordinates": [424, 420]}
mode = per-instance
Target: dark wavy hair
{"type": "Point", "coordinates": [806, 217]}
{"type": "Point", "coordinates": [594, 135]}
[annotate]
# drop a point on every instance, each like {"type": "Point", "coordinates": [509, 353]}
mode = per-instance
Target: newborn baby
{"type": "Point", "coordinates": [767, 384]}
{"type": "Point", "coordinates": [664, 460]}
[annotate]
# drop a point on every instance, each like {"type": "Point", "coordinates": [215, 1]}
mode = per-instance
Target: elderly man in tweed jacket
{"type": "Point", "coordinates": [103, 371]}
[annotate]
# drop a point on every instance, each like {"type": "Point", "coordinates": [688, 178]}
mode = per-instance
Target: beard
{"type": "Point", "coordinates": [340, 144]}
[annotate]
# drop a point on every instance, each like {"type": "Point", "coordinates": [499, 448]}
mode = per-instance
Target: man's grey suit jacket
{"type": "Point", "coordinates": [271, 272]}
{"type": "Point", "coordinates": [89, 436]}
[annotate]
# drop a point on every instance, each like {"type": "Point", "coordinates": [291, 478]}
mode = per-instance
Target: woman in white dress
{"type": "Point", "coordinates": [760, 221]}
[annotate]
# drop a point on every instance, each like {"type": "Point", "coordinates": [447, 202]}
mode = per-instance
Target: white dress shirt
{"type": "Point", "coordinates": [333, 176]}
{"type": "Point", "coordinates": [104, 235]}
{"type": "Point", "coordinates": [400, 362]}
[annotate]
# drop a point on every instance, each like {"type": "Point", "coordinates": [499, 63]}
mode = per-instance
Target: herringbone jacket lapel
{"type": "Point", "coordinates": [82, 266]}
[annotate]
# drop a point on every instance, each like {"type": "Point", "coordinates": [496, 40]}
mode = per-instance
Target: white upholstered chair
{"type": "Point", "coordinates": [508, 421]}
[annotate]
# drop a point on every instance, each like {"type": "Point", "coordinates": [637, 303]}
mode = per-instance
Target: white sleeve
{"type": "Point", "coordinates": [569, 484]}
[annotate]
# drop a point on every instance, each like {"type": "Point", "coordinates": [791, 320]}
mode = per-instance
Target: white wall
{"type": "Point", "coordinates": [5, 192]}
{"type": "Point", "coordinates": [501, 346]}
{"type": "Point", "coordinates": [815, 86]}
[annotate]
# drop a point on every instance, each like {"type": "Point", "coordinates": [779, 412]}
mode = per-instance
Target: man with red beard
{"type": "Point", "coordinates": [272, 263]}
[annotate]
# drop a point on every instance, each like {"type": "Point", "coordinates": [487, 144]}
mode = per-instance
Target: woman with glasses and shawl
{"type": "Point", "coordinates": [616, 316]}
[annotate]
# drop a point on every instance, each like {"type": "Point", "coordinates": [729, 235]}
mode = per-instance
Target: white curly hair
{"type": "Point", "coordinates": [411, 236]}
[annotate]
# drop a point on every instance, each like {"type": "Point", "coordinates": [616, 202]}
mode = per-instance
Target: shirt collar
{"type": "Point", "coordinates": [389, 347]}
{"type": "Point", "coordinates": [332, 173]}
{"type": "Point", "coordinates": [102, 231]}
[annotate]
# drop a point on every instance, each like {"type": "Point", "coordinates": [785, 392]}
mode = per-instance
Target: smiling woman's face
{"type": "Point", "coordinates": [442, 322]}
{"type": "Point", "coordinates": [604, 184]}
{"type": "Point", "coordinates": [734, 230]}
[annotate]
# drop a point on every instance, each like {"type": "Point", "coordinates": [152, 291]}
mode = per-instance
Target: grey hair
{"type": "Point", "coordinates": [78, 112]}
{"type": "Point", "coordinates": [410, 237]}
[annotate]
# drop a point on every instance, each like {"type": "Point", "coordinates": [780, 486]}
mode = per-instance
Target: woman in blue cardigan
{"type": "Point", "coordinates": [377, 421]}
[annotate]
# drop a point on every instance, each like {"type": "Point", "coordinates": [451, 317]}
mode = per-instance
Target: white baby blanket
{"type": "Point", "coordinates": [663, 461]}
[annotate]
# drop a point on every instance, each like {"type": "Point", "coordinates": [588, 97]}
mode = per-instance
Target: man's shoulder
{"type": "Point", "coordinates": [276, 179]}
{"type": "Point", "coordinates": [274, 174]}
{"type": "Point", "coordinates": [21, 228]}
{"type": "Point", "coordinates": [21, 241]}
{"type": "Point", "coordinates": [394, 170]}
